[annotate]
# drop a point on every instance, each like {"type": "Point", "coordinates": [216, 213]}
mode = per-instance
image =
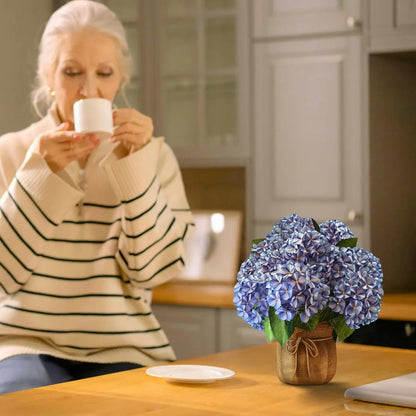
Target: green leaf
{"type": "Point", "coordinates": [342, 330]}
{"type": "Point", "coordinates": [296, 320]}
{"type": "Point", "coordinates": [311, 324]}
{"type": "Point", "coordinates": [282, 330]}
{"type": "Point", "coordinates": [308, 326]}
{"type": "Point", "coordinates": [348, 242]}
{"type": "Point", "coordinates": [315, 224]}
{"type": "Point", "coordinates": [268, 329]}
{"type": "Point", "coordinates": [327, 315]}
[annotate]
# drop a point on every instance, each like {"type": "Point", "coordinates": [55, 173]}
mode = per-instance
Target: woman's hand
{"type": "Point", "coordinates": [60, 147]}
{"type": "Point", "coordinates": [133, 130]}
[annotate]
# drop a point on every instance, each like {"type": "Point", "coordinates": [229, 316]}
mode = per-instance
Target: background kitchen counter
{"type": "Point", "coordinates": [397, 306]}
{"type": "Point", "coordinates": [200, 318]}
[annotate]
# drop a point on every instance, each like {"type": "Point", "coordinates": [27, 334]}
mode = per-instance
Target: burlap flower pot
{"type": "Point", "coordinates": [308, 357]}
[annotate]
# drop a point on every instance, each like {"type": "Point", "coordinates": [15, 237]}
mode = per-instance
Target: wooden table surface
{"type": "Point", "coordinates": [255, 390]}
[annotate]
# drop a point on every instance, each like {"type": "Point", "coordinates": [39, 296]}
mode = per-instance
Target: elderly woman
{"type": "Point", "coordinates": [87, 228]}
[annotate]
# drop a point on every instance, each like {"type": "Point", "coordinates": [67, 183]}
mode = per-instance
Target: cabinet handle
{"type": "Point", "coordinates": [354, 216]}
{"type": "Point", "coordinates": [353, 23]}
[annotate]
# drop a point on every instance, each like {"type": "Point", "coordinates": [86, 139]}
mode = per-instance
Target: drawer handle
{"type": "Point", "coordinates": [353, 23]}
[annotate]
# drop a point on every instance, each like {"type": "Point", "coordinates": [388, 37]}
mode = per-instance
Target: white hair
{"type": "Point", "coordinates": [73, 16]}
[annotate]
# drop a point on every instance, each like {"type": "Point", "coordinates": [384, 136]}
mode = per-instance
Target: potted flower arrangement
{"type": "Point", "coordinates": [305, 284]}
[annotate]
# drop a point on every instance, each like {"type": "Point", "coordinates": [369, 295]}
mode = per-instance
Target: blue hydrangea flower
{"type": "Point", "coordinates": [297, 269]}
{"type": "Point", "coordinates": [335, 231]}
{"type": "Point", "coordinates": [357, 286]}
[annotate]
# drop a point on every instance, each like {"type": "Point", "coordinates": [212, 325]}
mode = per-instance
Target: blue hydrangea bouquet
{"type": "Point", "coordinates": [303, 273]}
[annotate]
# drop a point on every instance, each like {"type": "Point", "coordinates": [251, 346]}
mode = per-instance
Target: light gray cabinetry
{"type": "Point", "coordinates": [278, 18]}
{"type": "Point", "coordinates": [309, 130]}
{"type": "Point", "coordinates": [191, 74]}
{"type": "Point", "coordinates": [195, 331]}
{"type": "Point", "coordinates": [392, 25]}
{"type": "Point", "coordinates": [309, 154]}
{"type": "Point", "coordinates": [190, 330]}
{"type": "Point", "coordinates": [235, 333]}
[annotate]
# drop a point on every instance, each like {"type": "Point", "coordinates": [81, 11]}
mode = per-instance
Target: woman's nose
{"type": "Point", "coordinates": [89, 87]}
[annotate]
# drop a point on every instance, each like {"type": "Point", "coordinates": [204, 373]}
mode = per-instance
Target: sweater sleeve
{"type": "Point", "coordinates": [156, 215]}
{"type": "Point", "coordinates": [33, 204]}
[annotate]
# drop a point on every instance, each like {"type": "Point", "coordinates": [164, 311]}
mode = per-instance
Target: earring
{"type": "Point", "coordinates": [51, 92]}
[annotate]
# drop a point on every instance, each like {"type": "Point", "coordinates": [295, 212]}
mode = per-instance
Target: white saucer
{"type": "Point", "coordinates": [190, 373]}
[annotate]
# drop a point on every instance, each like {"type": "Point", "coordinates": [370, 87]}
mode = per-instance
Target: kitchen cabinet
{"type": "Point", "coordinates": [308, 130]}
{"type": "Point", "coordinates": [191, 74]}
{"type": "Point", "coordinates": [280, 18]}
{"type": "Point", "coordinates": [190, 330]}
{"type": "Point", "coordinates": [195, 331]}
{"type": "Point", "coordinates": [235, 333]}
{"type": "Point", "coordinates": [309, 119]}
{"type": "Point", "coordinates": [392, 25]}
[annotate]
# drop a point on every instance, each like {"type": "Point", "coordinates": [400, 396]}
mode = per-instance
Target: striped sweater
{"type": "Point", "coordinates": [80, 251]}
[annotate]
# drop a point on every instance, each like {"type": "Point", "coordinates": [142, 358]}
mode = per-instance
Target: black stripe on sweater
{"type": "Point", "coordinates": [17, 259]}
{"type": "Point", "coordinates": [35, 204]}
{"type": "Point", "coordinates": [146, 210]}
{"type": "Point", "coordinates": [127, 201]}
{"type": "Point", "coordinates": [76, 313]}
{"type": "Point", "coordinates": [52, 222]}
{"type": "Point", "coordinates": [91, 222]}
{"type": "Point", "coordinates": [118, 219]}
{"type": "Point", "coordinates": [67, 221]}
{"type": "Point", "coordinates": [80, 279]}
{"type": "Point", "coordinates": [85, 295]}
{"type": "Point", "coordinates": [10, 274]}
{"type": "Point", "coordinates": [158, 240]}
{"type": "Point", "coordinates": [74, 331]}
{"type": "Point", "coordinates": [100, 348]}
{"type": "Point", "coordinates": [4, 289]}
{"type": "Point", "coordinates": [155, 255]}
{"type": "Point", "coordinates": [51, 257]}
{"type": "Point", "coordinates": [148, 229]}
{"type": "Point", "coordinates": [180, 259]}
{"type": "Point", "coordinates": [95, 205]}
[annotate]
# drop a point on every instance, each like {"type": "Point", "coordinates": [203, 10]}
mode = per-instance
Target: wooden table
{"type": "Point", "coordinates": [255, 390]}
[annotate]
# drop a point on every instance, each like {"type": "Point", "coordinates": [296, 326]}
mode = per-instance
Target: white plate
{"type": "Point", "coordinates": [190, 373]}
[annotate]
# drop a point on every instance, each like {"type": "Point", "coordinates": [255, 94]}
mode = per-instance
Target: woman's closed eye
{"type": "Point", "coordinates": [71, 72]}
{"type": "Point", "coordinates": [105, 72]}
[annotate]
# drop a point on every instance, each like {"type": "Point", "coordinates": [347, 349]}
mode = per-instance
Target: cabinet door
{"type": "Point", "coordinates": [308, 131]}
{"type": "Point", "coordinates": [392, 25]}
{"type": "Point", "coordinates": [190, 330]}
{"type": "Point", "coordinates": [235, 333]}
{"type": "Point", "coordinates": [201, 73]}
{"type": "Point", "coordinates": [406, 13]}
{"type": "Point", "coordinates": [274, 18]}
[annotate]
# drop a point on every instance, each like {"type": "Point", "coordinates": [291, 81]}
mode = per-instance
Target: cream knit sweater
{"type": "Point", "coordinates": [81, 251]}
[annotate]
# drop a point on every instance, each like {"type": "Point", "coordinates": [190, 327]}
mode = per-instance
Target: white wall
{"type": "Point", "coordinates": [21, 25]}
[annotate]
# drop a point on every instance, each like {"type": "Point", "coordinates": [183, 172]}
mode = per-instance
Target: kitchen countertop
{"type": "Point", "coordinates": [400, 306]}
{"type": "Point", "coordinates": [218, 295]}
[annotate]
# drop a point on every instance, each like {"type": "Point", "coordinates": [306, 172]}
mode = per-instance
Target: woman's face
{"type": "Point", "coordinates": [88, 66]}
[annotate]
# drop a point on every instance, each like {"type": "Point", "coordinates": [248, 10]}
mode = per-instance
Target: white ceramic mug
{"type": "Point", "coordinates": [94, 115]}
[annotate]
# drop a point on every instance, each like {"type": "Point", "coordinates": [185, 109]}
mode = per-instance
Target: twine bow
{"type": "Point", "coordinates": [311, 349]}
